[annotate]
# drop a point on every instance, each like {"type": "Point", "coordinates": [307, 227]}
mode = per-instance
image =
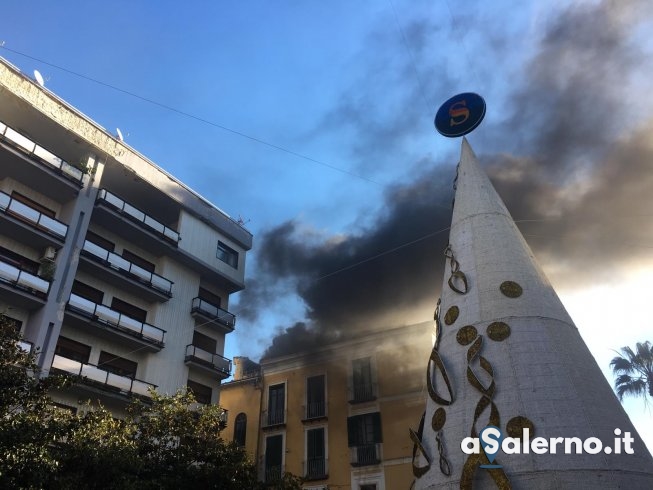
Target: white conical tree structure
{"type": "Point", "coordinates": [509, 355]}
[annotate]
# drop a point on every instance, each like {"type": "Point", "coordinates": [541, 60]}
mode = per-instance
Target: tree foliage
{"type": "Point", "coordinates": [29, 422]}
{"type": "Point", "coordinates": [634, 371]}
{"type": "Point", "coordinates": [170, 443]}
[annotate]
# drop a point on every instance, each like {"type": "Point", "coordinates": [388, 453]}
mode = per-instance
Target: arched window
{"type": "Point", "coordinates": [240, 429]}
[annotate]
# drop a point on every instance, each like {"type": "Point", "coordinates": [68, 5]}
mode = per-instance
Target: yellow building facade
{"type": "Point", "coordinates": [337, 416]}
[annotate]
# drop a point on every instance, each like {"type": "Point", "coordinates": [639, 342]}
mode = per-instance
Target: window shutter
{"type": "Point", "coordinates": [352, 431]}
{"type": "Point", "coordinates": [376, 424]}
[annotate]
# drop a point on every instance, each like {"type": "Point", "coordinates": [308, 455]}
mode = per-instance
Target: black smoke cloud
{"type": "Point", "coordinates": [572, 161]}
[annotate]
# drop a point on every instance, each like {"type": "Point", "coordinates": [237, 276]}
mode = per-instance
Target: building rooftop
{"type": "Point", "coordinates": [52, 119]}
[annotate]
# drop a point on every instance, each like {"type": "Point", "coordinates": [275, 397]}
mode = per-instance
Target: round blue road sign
{"type": "Point", "coordinates": [460, 115]}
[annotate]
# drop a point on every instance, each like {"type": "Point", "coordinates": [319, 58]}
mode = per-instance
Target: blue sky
{"type": "Point", "coordinates": [355, 86]}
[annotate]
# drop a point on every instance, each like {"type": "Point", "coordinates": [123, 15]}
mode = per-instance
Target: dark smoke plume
{"type": "Point", "coordinates": [573, 162]}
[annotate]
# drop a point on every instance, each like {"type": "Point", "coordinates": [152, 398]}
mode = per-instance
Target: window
{"type": "Point", "coordinates": [240, 429]}
{"type": "Point", "coordinates": [204, 342]}
{"type": "Point", "coordinates": [227, 255]}
{"type": "Point", "coordinates": [117, 365]}
{"type": "Point", "coordinates": [273, 457]}
{"type": "Point", "coordinates": [128, 309]}
{"type": "Point", "coordinates": [315, 454]}
{"type": "Point", "coordinates": [139, 261]}
{"type": "Point", "coordinates": [17, 324]}
{"type": "Point", "coordinates": [88, 292]}
{"type": "Point", "coordinates": [16, 196]}
{"type": "Point", "coordinates": [12, 258]}
{"type": "Point", "coordinates": [71, 349]}
{"type": "Point", "coordinates": [100, 241]}
{"type": "Point", "coordinates": [276, 404]}
{"type": "Point", "coordinates": [363, 389]}
{"type": "Point", "coordinates": [315, 397]}
{"type": "Point", "coordinates": [209, 297]}
{"type": "Point", "coordinates": [202, 392]}
{"type": "Point", "coordinates": [364, 435]}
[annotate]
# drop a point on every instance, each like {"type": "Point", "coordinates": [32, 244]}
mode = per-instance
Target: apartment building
{"type": "Point", "coordinates": [338, 415]}
{"type": "Point", "coordinates": [111, 267]}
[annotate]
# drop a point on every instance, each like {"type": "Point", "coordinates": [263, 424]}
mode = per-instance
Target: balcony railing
{"type": "Point", "coordinates": [98, 376]}
{"type": "Point", "coordinates": [272, 473]}
{"type": "Point", "coordinates": [40, 154]}
{"type": "Point", "coordinates": [209, 310]}
{"type": "Point", "coordinates": [114, 319]}
{"type": "Point", "coordinates": [273, 418]}
{"type": "Point", "coordinates": [139, 216]}
{"type": "Point", "coordinates": [316, 469]}
{"type": "Point", "coordinates": [23, 280]}
{"type": "Point", "coordinates": [224, 417]}
{"type": "Point", "coordinates": [25, 346]}
{"type": "Point", "coordinates": [31, 215]}
{"type": "Point", "coordinates": [363, 392]}
{"type": "Point", "coordinates": [315, 410]}
{"type": "Point", "coordinates": [365, 455]}
{"type": "Point", "coordinates": [126, 267]}
{"type": "Point", "coordinates": [213, 361]}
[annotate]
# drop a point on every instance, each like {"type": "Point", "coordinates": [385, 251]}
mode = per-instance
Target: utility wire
{"type": "Point", "coordinates": [429, 235]}
{"type": "Point", "coordinates": [196, 118]}
{"type": "Point", "coordinates": [410, 55]}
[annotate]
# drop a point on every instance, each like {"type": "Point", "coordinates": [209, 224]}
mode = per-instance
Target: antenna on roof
{"type": "Point", "coordinates": [120, 134]}
{"type": "Point", "coordinates": [39, 78]}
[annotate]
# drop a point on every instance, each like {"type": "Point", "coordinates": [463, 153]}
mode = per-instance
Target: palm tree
{"type": "Point", "coordinates": [634, 371]}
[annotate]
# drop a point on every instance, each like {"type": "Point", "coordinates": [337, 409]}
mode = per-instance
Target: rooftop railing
{"type": "Point", "coordinates": [214, 361]}
{"type": "Point", "coordinates": [210, 310]}
{"type": "Point", "coordinates": [96, 375]}
{"type": "Point", "coordinates": [122, 265]}
{"type": "Point", "coordinates": [117, 320]}
{"type": "Point", "coordinates": [139, 216]}
{"type": "Point", "coordinates": [40, 154]}
{"type": "Point", "coordinates": [22, 211]}
{"type": "Point", "coordinates": [24, 280]}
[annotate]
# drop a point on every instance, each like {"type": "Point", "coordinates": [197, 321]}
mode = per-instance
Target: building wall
{"type": "Point", "coordinates": [243, 397]}
{"type": "Point", "coordinates": [52, 124]}
{"type": "Point", "coordinates": [396, 357]}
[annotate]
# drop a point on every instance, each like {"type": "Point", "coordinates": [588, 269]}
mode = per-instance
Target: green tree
{"type": "Point", "coordinates": [29, 422]}
{"type": "Point", "coordinates": [634, 371]}
{"type": "Point", "coordinates": [168, 443]}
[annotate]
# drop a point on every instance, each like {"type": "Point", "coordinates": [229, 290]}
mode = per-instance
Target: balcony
{"type": "Point", "coordinates": [365, 455]}
{"type": "Point", "coordinates": [115, 324]}
{"type": "Point", "coordinates": [31, 163]}
{"type": "Point", "coordinates": [213, 363]}
{"type": "Point", "coordinates": [125, 274]}
{"type": "Point", "coordinates": [22, 288]}
{"type": "Point", "coordinates": [316, 469]}
{"type": "Point", "coordinates": [273, 419]}
{"type": "Point", "coordinates": [97, 377]}
{"type": "Point", "coordinates": [363, 392]}
{"type": "Point", "coordinates": [209, 313]}
{"type": "Point", "coordinates": [138, 227]}
{"type": "Point", "coordinates": [315, 411]}
{"type": "Point", "coordinates": [272, 473]}
{"type": "Point", "coordinates": [26, 224]}
{"type": "Point", "coordinates": [25, 346]}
